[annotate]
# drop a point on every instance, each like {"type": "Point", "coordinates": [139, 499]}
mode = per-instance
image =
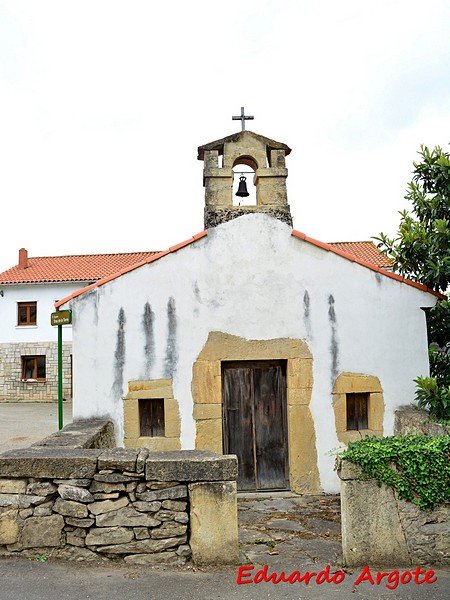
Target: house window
{"type": "Point", "coordinates": [33, 367]}
{"type": "Point", "coordinates": [357, 412]}
{"type": "Point", "coordinates": [151, 417]}
{"type": "Point", "coordinates": [26, 313]}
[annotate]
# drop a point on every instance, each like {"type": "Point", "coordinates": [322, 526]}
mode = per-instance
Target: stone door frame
{"type": "Point", "coordinates": [207, 397]}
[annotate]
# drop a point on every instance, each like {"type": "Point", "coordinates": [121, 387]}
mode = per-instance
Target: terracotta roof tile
{"type": "Point", "coordinates": [355, 257]}
{"type": "Point", "coordinates": [83, 267]}
{"type": "Point", "coordinates": [364, 251]}
{"type": "Point", "coordinates": [155, 256]}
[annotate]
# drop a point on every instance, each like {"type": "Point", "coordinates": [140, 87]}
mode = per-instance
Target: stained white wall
{"type": "Point", "coordinates": [45, 295]}
{"type": "Point", "coordinates": [251, 278]}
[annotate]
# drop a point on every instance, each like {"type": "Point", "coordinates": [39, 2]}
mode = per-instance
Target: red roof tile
{"type": "Point", "coordinates": [364, 251]}
{"type": "Point", "coordinates": [369, 265]}
{"type": "Point", "coordinates": [85, 267]}
{"type": "Point", "coordinates": [156, 256]}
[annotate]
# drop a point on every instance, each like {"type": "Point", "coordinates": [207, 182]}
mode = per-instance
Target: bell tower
{"type": "Point", "coordinates": [265, 157]}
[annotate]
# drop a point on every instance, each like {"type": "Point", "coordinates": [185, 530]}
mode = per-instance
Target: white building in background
{"type": "Point", "coordinates": [250, 338]}
{"type": "Point", "coordinates": [28, 342]}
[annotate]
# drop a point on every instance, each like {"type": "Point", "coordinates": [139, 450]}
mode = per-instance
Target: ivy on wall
{"type": "Point", "coordinates": [417, 467]}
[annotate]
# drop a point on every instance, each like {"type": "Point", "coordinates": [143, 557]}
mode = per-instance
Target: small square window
{"type": "Point", "coordinates": [151, 417]}
{"type": "Point", "coordinates": [357, 412]}
{"type": "Point", "coordinates": [26, 313]}
{"type": "Point", "coordinates": [33, 367]}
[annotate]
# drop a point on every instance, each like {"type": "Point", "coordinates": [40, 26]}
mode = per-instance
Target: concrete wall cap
{"type": "Point", "coordinates": [56, 463]}
{"type": "Point", "coordinates": [79, 434]}
{"type": "Point", "coordinates": [191, 465]}
{"type": "Point", "coordinates": [118, 458]}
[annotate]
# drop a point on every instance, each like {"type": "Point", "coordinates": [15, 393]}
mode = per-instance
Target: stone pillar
{"type": "Point", "coordinates": [371, 529]}
{"type": "Point", "coordinates": [271, 187]}
{"type": "Point", "coordinates": [218, 182]}
{"type": "Point", "coordinates": [213, 521]}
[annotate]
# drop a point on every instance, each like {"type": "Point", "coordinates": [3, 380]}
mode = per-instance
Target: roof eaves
{"type": "Point", "coordinates": [391, 274]}
{"type": "Point", "coordinates": [236, 137]}
{"type": "Point", "coordinates": [47, 281]}
{"type": "Point", "coordinates": [149, 260]}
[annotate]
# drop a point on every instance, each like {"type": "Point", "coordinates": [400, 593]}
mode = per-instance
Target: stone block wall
{"type": "Point", "coordinates": [380, 529]}
{"type": "Point", "coordinates": [13, 389]}
{"type": "Point", "coordinates": [90, 504]}
{"type": "Point", "coordinates": [417, 421]}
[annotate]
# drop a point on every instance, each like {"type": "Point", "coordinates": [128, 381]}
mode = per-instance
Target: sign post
{"type": "Point", "coordinates": [60, 318]}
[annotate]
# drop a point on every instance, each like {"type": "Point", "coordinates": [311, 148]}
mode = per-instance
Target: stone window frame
{"type": "Point", "coordinates": [28, 306]}
{"type": "Point", "coordinates": [156, 389]}
{"type": "Point", "coordinates": [358, 383]}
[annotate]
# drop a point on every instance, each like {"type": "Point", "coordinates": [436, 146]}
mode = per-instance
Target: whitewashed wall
{"type": "Point", "coordinates": [45, 295]}
{"type": "Point", "coordinates": [251, 278]}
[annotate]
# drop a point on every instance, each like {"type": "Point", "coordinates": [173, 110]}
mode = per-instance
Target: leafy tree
{"type": "Point", "coordinates": [421, 252]}
{"type": "Point", "coordinates": [438, 324]}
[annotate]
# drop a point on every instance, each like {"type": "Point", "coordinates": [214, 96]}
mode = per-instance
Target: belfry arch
{"type": "Point", "coordinates": [263, 155]}
{"type": "Point", "coordinates": [244, 167]}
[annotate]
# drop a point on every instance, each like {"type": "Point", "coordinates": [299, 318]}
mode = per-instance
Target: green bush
{"type": "Point", "coordinates": [416, 466]}
{"type": "Point", "coordinates": [433, 397]}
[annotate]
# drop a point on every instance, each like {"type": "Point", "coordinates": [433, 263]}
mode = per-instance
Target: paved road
{"type": "Point", "coordinates": [22, 579]}
{"type": "Point", "coordinates": [23, 423]}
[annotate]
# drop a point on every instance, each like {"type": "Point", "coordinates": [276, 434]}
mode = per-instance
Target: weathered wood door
{"type": "Point", "coordinates": [254, 422]}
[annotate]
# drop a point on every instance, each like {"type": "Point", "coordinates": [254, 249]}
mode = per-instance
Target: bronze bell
{"type": "Point", "coordinates": [242, 189]}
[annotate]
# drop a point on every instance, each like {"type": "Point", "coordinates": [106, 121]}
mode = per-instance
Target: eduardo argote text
{"type": "Point", "coordinates": [391, 579]}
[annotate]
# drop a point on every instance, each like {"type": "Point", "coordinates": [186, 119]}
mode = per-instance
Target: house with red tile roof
{"type": "Point", "coordinates": [251, 338]}
{"type": "Point", "coordinates": [28, 291]}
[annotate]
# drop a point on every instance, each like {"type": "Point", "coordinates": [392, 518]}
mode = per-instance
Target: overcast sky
{"type": "Point", "coordinates": [103, 104]}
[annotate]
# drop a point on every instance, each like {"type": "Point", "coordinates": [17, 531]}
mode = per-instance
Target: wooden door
{"type": "Point", "coordinates": [254, 419]}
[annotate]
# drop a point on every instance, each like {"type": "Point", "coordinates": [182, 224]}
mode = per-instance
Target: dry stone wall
{"type": "Point", "coordinates": [80, 503]}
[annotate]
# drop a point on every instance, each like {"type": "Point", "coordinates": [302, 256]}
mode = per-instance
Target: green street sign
{"type": "Point", "coordinates": [61, 317]}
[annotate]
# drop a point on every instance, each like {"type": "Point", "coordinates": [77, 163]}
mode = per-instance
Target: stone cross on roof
{"type": "Point", "coordinates": [242, 118]}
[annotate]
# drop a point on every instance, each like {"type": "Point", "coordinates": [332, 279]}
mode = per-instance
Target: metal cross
{"type": "Point", "coordinates": [242, 118]}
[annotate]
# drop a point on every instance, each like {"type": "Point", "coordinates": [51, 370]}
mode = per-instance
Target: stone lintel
{"type": "Point", "coordinates": [158, 386]}
{"type": "Point", "coordinates": [271, 172]}
{"type": "Point", "coordinates": [190, 465]}
{"type": "Point", "coordinates": [52, 463]}
{"type": "Point", "coordinates": [218, 172]}
{"type": "Point", "coordinates": [154, 444]}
